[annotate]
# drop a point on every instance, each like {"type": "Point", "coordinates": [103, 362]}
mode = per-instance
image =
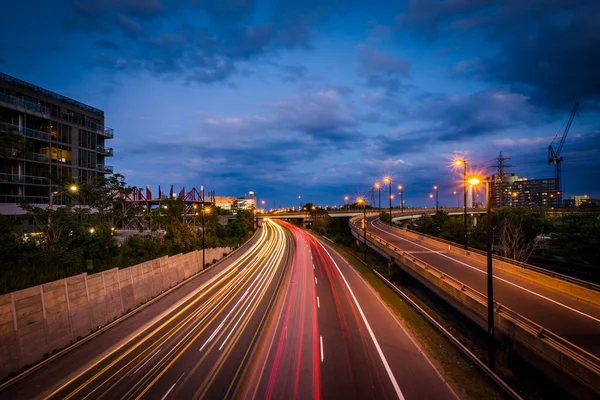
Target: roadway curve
{"type": "Point", "coordinates": [575, 321]}
{"type": "Point", "coordinates": [332, 337]}
{"type": "Point", "coordinates": [197, 348]}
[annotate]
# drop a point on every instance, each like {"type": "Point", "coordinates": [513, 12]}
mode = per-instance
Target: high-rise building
{"type": "Point", "coordinates": [582, 200]}
{"type": "Point", "coordinates": [522, 191]}
{"type": "Point", "coordinates": [45, 137]}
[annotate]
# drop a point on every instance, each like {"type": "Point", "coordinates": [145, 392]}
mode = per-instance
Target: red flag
{"type": "Point", "coordinates": [171, 192]}
{"type": "Point", "coordinates": [182, 192]}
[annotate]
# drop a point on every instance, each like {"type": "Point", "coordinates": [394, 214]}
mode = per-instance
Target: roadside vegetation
{"type": "Point", "coordinates": [49, 244]}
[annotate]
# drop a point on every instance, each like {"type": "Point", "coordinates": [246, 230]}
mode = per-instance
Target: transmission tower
{"type": "Point", "coordinates": [499, 193]}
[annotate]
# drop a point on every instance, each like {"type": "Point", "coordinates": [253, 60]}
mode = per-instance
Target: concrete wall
{"type": "Point", "coordinates": [40, 320]}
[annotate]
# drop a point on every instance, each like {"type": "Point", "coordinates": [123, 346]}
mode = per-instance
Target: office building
{"type": "Point", "coordinates": [44, 138]}
{"type": "Point", "coordinates": [582, 200]}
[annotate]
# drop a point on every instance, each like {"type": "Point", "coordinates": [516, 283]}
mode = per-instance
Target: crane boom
{"type": "Point", "coordinates": [555, 159]}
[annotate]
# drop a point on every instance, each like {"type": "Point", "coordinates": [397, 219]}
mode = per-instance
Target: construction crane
{"type": "Point", "coordinates": [555, 159]}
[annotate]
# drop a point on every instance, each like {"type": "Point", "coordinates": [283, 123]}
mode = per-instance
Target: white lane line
{"type": "Point", "coordinates": [152, 356]}
{"type": "Point", "coordinates": [322, 356]}
{"type": "Point", "coordinates": [171, 388]}
{"type": "Point", "coordinates": [318, 302]}
{"type": "Point", "coordinates": [362, 314]}
{"type": "Point", "coordinates": [315, 280]}
{"type": "Point", "coordinates": [495, 277]}
{"type": "Point", "coordinates": [313, 266]}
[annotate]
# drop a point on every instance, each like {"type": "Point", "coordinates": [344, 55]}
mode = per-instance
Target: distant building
{"type": "Point", "coordinates": [516, 191]}
{"type": "Point", "coordinates": [61, 138]}
{"type": "Point", "coordinates": [581, 200]}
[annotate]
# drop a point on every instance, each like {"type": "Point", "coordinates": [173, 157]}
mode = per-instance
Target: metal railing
{"type": "Point", "coordinates": [7, 198]}
{"type": "Point", "coordinates": [27, 132]}
{"type": "Point", "coordinates": [105, 168]}
{"type": "Point", "coordinates": [104, 150]}
{"type": "Point", "coordinates": [37, 157]}
{"type": "Point", "coordinates": [23, 179]}
{"type": "Point", "coordinates": [109, 132]}
{"type": "Point", "coordinates": [580, 356]}
{"type": "Point", "coordinates": [28, 105]}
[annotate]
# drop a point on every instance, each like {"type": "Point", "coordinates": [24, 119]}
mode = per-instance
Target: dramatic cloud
{"type": "Point", "coordinates": [381, 70]}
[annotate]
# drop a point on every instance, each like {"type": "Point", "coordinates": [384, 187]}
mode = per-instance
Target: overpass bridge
{"type": "Point", "coordinates": [397, 214]}
{"type": "Point", "coordinates": [551, 320]}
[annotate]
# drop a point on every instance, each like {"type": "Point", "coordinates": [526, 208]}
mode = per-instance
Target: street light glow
{"type": "Point", "coordinates": [387, 179]}
{"type": "Point", "coordinates": [377, 185]}
{"type": "Point", "coordinates": [73, 188]}
{"type": "Point", "coordinates": [360, 200]}
{"type": "Point", "coordinates": [458, 162]}
{"type": "Point", "coordinates": [399, 187]}
{"type": "Point", "coordinates": [435, 188]}
{"type": "Point", "coordinates": [474, 181]}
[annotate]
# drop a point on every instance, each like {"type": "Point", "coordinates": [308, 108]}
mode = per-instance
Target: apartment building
{"type": "Point", "coordinates": [45, 137]}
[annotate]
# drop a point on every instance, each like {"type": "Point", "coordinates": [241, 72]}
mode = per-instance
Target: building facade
{"type": "Point", "coordinates": [516, 191]}
{"type": "Point", "coordinates": [44, 138]}
{"type": "Point", "coordinates": [581, 200]}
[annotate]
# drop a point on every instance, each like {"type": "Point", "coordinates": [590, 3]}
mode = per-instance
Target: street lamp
{"type": "Point", "coordinates": [490, 278]}
{"type": "Point", "coordinates": [388, 180]}
{"type": "Point", "coordinates": [429, 200]}
{"type": "Point", "coordinates": [345, 200]}
{"type": "Point", "coordinates": [315, 217]}
{"type": "Point", "coordinates": [437, 203]}
{"type": "Point", "coordinates": [362, 201]}
{"type": "Point", "coordinates": [205, 210]}
{"type": "Point", "coordinates": [400, 189]}
{"type": "Point", "coordinates": [464, 164]}
{"type": "Point", "coordinates": [457, 201]}
{"type": "Point", "coordinates": [378, 187]}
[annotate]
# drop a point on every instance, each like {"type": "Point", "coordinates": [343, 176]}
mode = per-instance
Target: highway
{"type": "Point", "coordinates": [330, 336]}
{"type": "Point", "coordinates": [196, 349]}
{"type": "Point", "coordinates": [575, 321]}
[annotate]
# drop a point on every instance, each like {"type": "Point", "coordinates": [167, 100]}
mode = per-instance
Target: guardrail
{"type": "Point", "coordinates": [566, 278]}
{"type": "Point", "coordinates": [577, 362]}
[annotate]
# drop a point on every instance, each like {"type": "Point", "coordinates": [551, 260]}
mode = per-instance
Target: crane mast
{"type": "Point", "coordinates": [555, 159]}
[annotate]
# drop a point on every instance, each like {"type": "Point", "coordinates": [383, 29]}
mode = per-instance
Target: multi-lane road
{"type": "Point", "coordinates": [575, 321]}
{"type": "Point", "coordinates": [287, 317]}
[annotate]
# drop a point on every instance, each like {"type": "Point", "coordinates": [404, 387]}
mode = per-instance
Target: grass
{"type": "Point", "coordinates": [467, 377]}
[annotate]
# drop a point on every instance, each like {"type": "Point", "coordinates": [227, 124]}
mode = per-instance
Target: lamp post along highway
{"type": "Point", "coordinates": [490, 276]}
{"type": "Point", "coordinates": [400, 188]}
{"type": "Point", "coordinates": [437, 203]}
{"type": "Point", "coordinates": [464, 164]}
{"type": "Point", "coordinates": [205, 211]}
{"type": "Point", "coordinates": [388, 180]}
{"type": "Point", "coordinates": [378, 187]}
{"type": "Point", "coordinates": [364, 225]}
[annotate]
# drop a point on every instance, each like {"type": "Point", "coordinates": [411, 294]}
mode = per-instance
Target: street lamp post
{"type": "Point", "coordinates": [400, 188]}
{"type": "Point", "coordinates": [490, 276]}
{"type": "Point", "coordinates": [388, 180]}
{"type": "Point", "coordinates": [437, 203]}
{"type": "Point", "coordinates": [204, 211]}
{"type": "Point", "coordinates": [378, 187]}
{"type": "Point", "coordinates": [457, 201]}
{"type": "Point", "coordinates": [464, 164]}
{"type": "Point", "coordinates": [429, 200]}
{"type": "Point", "coordinates": [364, 225]}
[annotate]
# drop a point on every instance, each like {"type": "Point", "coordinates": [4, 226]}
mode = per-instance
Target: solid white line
{"type": "Point", "coordinates": [362, 314]}
{"type": "Point", "coordinates": [318, 302]}
{"type": "Point", "coordinates": [315, 280]}
{"type": "Point", "coordinates": [322, 356]}
{"type": "Point", "coordinates": [171, 388]}
{"type": "Point", "coordinates": [495, 277]}
{"type": "Point", "coordinates": [152, 356]}
{"type": "Point", "coordinates": [313, 266]}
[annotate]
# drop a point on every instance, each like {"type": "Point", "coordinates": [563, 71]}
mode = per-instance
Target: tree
{"type": "Point", "coordinates": [513, 243]}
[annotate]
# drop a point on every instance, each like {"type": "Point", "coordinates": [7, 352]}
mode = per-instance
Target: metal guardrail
{"type": "Point", "coordinates": [580, 356]}
{"type": "Point", "coordinates": [566, 278]}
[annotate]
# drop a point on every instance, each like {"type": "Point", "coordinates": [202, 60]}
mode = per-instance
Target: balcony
{"type": "Point", "coordinates": [30, 133]}
{"type": "Point", "coordinates": [104, 168]}
{"type": "Point", "coordinates": [44, 158]}
{"type": "Point", "coordinates": [23, 179]}
{"type": "Point", "coordinates": [7, 198]}
{"type": "Point", "coordinates": [28, 106]}
{"type": "Point", "coordinates": [107, 132]}
{"type": "Point", "coordinates": [107, 151]}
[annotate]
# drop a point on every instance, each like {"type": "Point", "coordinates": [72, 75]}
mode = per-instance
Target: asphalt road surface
{"type": "Point", "coordinates": [575, 321]}
{"type": "Point", "coordinates": [330, 336]}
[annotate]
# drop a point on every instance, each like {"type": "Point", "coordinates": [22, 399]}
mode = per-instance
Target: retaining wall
{"type": "Point", "coordinates": [39, 320]}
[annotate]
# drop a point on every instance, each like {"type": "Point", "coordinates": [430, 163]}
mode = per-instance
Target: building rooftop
{"type": "Point", "coordinates": [15, 81]}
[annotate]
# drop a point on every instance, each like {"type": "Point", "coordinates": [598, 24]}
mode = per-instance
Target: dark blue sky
{"type": "Point", "coordinates": [320, 98]}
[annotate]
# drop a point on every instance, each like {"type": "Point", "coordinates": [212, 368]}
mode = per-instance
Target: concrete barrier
{"type": "Point", "coordinates": [40, 320]}
{"type": "Point", "coordinates": [564, 358]}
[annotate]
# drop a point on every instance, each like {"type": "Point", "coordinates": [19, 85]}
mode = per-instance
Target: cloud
{"type": "Point", "coordinates": [514, 142]}
{"type": "Point", "coordinates": [381, 70]}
